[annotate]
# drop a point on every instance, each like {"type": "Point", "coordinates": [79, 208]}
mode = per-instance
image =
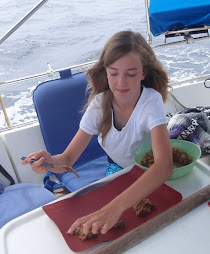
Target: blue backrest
{"type": "Point", "coordinates": [58, 104]}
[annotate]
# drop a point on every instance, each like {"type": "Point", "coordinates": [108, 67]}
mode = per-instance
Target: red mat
{"type": "Point", "coordinates": [66, 211]}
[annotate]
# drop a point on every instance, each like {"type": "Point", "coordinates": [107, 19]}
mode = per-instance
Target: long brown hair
{"type": "Point", "coordinates": [118, 46]}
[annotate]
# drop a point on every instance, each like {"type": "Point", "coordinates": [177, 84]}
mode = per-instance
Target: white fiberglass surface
{"type": "Point", "coordinates": [36, 233]}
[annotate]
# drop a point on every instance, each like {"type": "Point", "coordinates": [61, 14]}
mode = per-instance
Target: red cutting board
{"type": "Point", "coordinates": [66, 211]}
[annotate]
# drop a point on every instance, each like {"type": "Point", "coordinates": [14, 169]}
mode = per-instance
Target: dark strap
{"type": "Point", "coordinates": [110, 160]}
{"type": "Point", "coordinates": [7, 175]}
{"type": "Point", "coordinates": [49, 184]}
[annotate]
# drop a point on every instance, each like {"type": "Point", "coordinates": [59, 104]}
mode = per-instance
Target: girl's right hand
{"type": "Point", "coordinates": [42, 156]}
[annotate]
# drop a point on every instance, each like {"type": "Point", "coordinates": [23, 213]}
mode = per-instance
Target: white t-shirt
{"type": "Point", "coordinates": [149, 112]}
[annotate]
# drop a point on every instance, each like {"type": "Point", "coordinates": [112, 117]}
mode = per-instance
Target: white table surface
{"type": "Point", "coordinates": [35, 233]}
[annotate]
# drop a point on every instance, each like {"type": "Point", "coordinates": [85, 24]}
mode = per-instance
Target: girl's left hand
{"type": "Point", "coordinates": [103, 220]}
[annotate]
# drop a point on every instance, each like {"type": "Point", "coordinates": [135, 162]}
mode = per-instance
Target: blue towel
{"type": "Point", "coordinates": [89, 173]}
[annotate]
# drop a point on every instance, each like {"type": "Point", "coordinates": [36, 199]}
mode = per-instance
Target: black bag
{"type": "Point", "coordinates": [192, 124]}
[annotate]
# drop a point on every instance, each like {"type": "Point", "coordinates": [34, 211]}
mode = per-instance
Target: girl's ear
{"type": "Point", "coordinates": [143, 76]}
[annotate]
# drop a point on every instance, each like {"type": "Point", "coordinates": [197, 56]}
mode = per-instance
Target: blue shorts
{"type": "Point", "coordinates": [112, 168]}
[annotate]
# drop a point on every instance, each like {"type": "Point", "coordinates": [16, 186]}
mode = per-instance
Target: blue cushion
{"type": "Point", "coordinates": [21, 198]}
{"type": "Point", "coordinates": [58, 105]}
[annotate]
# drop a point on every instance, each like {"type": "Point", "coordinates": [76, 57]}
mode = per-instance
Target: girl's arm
{"type": "Point", "coordinates": [68, 157]}
{"type": "Point", "coordinates": [74, 149]}
{"type": "Point", "coordinates": [157, 174]}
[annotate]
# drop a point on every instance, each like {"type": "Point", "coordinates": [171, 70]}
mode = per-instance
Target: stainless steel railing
{"type": "Point", "coordinates": [48, 73]}
{"type": "Point", "coordinates": [21, 21]}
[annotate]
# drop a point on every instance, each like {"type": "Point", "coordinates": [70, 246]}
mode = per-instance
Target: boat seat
{"type": "Point", "coordinates": [21, 198]}
{"type": "Point", "coordinates": [58, 104]}
{"type": "Point", "coordinates": [18, 198]}
{"type": "Point", "coordinates": [176, 15]}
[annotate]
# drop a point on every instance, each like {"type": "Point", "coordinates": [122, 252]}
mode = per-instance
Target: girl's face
{"type": "Point", "coordinates": [125, 76]}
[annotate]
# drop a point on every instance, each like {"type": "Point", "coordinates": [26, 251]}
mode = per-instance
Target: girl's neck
{"type": "Point", "coordinates": [127, 105]}
{"type": "Point", "coordinates": [122, 112]}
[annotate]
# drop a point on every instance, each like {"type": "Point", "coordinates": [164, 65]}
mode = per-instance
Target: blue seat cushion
{"type": "Point", "coordinates": [59, 105]}
{"type": "Point", "coordinates": [21, 198]}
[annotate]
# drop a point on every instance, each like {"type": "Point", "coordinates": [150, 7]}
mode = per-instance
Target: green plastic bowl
{"type": "Point", "coordinates": [193, 151]}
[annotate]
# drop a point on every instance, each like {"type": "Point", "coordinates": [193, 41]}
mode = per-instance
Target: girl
{"type": "Point", "coordinates": [125, 108]}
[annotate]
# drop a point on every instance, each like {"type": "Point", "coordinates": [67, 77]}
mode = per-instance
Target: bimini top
{"type": "Point", "coordinates": [170, 15]}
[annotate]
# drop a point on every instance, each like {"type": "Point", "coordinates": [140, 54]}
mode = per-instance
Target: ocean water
{"type": "Point", "coordinates": [65, 33]}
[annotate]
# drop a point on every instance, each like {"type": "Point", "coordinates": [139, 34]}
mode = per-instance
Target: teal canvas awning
{"type": "Point", "coordinates": [172, 15]}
